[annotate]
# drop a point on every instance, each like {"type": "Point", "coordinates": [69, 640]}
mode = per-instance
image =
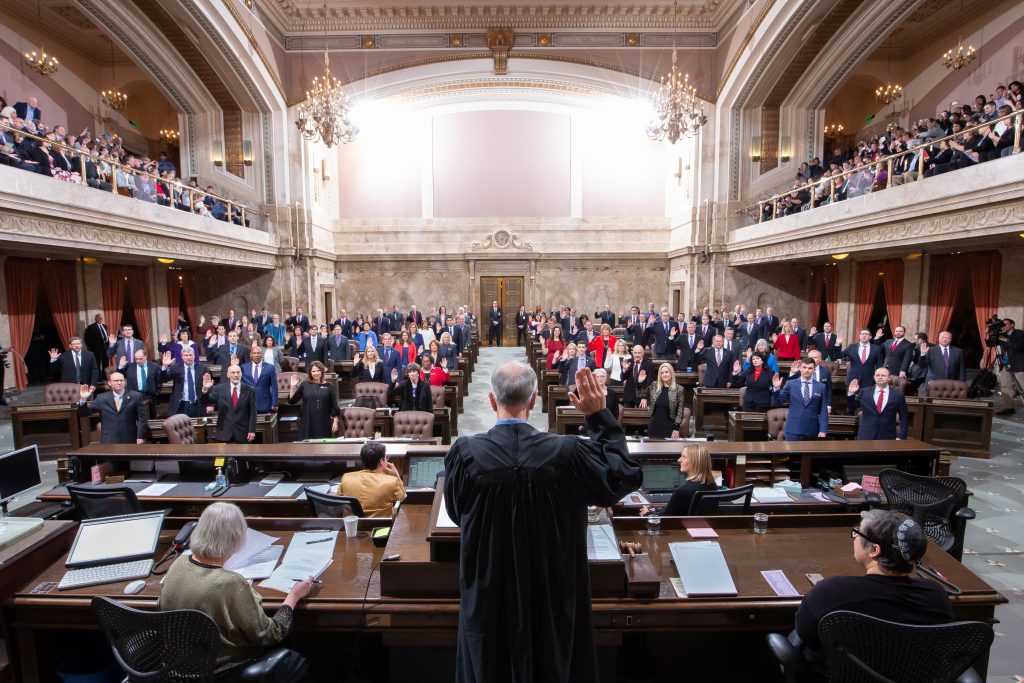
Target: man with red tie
{"type": "Point", "coordinates": [879, 405]}
{"type": "Point", "coordinates": [235, 404]}
{"type": "Point", "coordinates": [826, 342]}
{"type": "Point", "coordinates": [864, 358]}
{"type": "Point", "coordinates": [898, 352]}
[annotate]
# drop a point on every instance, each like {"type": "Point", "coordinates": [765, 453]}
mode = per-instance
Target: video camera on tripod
{"type": "Point", "coordinates": [994, 331]}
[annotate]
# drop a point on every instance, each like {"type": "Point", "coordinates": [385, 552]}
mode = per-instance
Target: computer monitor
{"type": "Point", "coordinates": [661, 476]}
{"type": "Point", "coordinates": [423, 470]}
{"type": "Point", "coordinates": [19, 472]}
{"type": "Point", "coordinates": [107, 540]}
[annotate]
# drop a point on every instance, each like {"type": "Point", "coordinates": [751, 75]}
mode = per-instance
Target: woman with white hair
{"type": "Point", "coordinates": [199, 581]}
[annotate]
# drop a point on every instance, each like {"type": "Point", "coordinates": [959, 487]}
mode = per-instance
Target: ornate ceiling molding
{"type": "Point", "coordinates": [462, 40]}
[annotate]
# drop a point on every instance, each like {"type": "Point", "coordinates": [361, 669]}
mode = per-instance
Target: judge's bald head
{"type": "Point", "coordinates": [513, 385]}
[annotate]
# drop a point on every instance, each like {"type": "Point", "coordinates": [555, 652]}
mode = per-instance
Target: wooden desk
{"type": "Point", "coordinates": [750, 426]}
{"type": "Point", "coordinates": [568, 420]}
{"type": "Point", "coordinates": [547, 378]}
{"type": "Point", "coordinates": [558, 397]}
{"type": "Point", "coordinates": [55, 428]}
{"type": "Point", "coordinates": [711, 410]}
{"type": "Point", "coordinates": [266, 427]}
{"type": "Point", "coordinates": [962, 426]}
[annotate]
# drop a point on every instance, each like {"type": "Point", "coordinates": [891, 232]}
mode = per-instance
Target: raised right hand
{"type": "Point", "coordinates": [813, 331]}
{"type": "Point", "coordinates": [54, 354]}
{"type": "Point", "coordinates": [164, 339]}
{"type": "Point", "coordinates": [776, 381]}
{"type": "Point", "coordinates": [642, 376]}
{"type": "Point", "coordinates": [207, 382]}
{"type": "Point", "coordinates": [167, 359]}
{"type": "Point", "coordinates": [854, 387]}
{"type": "Point", "coordinates": [394, 374]}
{"type": "Point", "coordinates": [737, 368]}
{"type": "Point", "coordinates": [700, 344]}
{"type": "Point", "coordinates": [84, 392]}
{"type": "Point", "coordinates": [358, 357]}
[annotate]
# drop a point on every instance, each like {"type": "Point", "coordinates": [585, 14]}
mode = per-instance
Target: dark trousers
{"type": "Point", "coordinates": [494, 332]}
{"type": "Point", "coordinates": [190, 408]}
{"type": "Point", "coordinates": [520, 336]}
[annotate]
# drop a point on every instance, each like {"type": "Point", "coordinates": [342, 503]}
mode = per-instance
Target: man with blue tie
{"type": "Point", "coordinates": [808, 412]}
{"type": "Point", "coordinates": [391, 358]}
{"type": "Point", "coordinates": [262, 377]}
{"type": "Point", "coordinates": [879, 406]}
{"type": "Point", "coordinates": [187, 382]}
{"type": "Point", "coordinates": [143, 376]}
{"type": "Point", "coordinates": [231, 349]}
{"type": "Point", "coordinates": [74, 365]}
{"type": "Point", "coordinates": [663, 333]}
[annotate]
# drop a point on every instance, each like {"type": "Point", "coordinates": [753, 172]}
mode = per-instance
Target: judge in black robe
{"type": "Point", "coordinates": [520, 497]}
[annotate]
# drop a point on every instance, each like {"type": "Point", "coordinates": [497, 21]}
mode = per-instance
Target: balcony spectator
{"type": "Point", "coordinates": [164, 164]}
{"type": "Point", "coordinates": [29, 110]}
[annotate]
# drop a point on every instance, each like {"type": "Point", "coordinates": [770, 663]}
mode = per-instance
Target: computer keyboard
{"type": "Point", "coordinates": [50, 511]}
{"type": "Point", "coordinates": [108, 573]}
{"type": "Point", "coordinates": [659, 497]}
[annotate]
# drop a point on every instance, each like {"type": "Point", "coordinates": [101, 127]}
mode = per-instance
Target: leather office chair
{"type": "Point", "coordinates": [182, 645]}
{"type": "Point", "coordinates": [777, 423]}
{"type": "Point", "coordinates": [931, 502]}
{"type": "Point", "coordinates": [700, 374]}
{"type": "Point", "coordinates": [414, 423]}
{"type": "Point", "coordinates": [103, 501]}
{"type": "Point", "coordinates": [437, 397]}
{"type": "Point", "coordinates": [378, 390]}
{"type": "Point", "coordinates": [899, 383]}
{"type": "Point", "coordinates": [742, 392]}
{"type": "Point", "coordinates": [356, 422]}
{"type": "Point", "coordinates": [289, 364]}
{"type": "Point", "coordinates": [947, 388]}
{"type": "Point", "coordinates": [863, 648]}
{"type": "Point", "coordinates": [707, 503]}
{"type": "Point", "coordinates": [62, 392]}
{"type": "Point", "coordinates": [326, 505]}
{"type": "Point", "coordinates": [179, 429]}
{"type": "Point", "coordinates": [284, 383]}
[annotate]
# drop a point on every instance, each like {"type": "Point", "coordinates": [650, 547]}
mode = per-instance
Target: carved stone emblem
{"type": "Point", "coordinates": [501, 239]}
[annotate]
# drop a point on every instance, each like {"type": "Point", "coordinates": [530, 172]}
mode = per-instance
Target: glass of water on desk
{"type": "Point", "coordinates": [760, 523]}
{"type": "Point", "coordinates": [653, 525]}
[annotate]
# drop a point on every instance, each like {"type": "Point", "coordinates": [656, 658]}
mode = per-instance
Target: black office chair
{"type": "Point", "coordinates": [708, 503]}
{"type": "Point", "coordinates": [181, 645]}
{"type": "Point", "coordinates": [324, 505]}
{"type": "Point", "coordinates": [859, 648]}
{"type": "Point", "coordinates": [103, 501]}
{"type": "Point", "coordinates": [931, 502]}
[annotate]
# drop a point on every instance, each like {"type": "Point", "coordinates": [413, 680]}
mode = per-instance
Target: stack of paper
{"type": "Point", "coordinates": [257, 557]}
{"type": "Point", "coordinates": [771, 495]}
{"type": "Point", "coordinates": [702, 568]}
{"type": "Point", "coordinates": [309, 554]}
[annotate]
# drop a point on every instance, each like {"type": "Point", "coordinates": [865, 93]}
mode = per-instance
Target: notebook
{"type": "Point", "coordinates": [702, 568]}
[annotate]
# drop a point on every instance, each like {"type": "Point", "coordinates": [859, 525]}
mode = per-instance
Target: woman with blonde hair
{"type": "Point", "coordinates": [695, 464]}
{"type": "Point", "coordinates": [666, 399]}
{"type": "Point", "coordinates": [613, 362]}
{"type": "Point", "coordinates": [368, 367]}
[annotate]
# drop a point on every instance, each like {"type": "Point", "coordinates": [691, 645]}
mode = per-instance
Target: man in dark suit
{"type": "Point", "coordinates": [573, 363]}
{"type": "Point", "coordinates": [300, 319]}
{"type": "Point", "coordinates": [124, 348]}
{"type": "Point", "coordinates": [717, 363]}
{"type": "Point", "coordinates": [808, 412]}
{"type": "Point", "coordinates": [494, 324]}
{"type": "Point", "coordinates": [186, 379]}
{"type": "Point", "coordinates": [143, 376]}
{"type": "Point", "coordinates": [232, 349]}
{"type": "Point", "coordinates": [826, 342]}
{"type": "Point", "coordinates": [570, 325]}
{"type": "Point", "coordinates": [122, 413]}
{"type": "Point", "coordinates": [381, 323]}
{"type": "Point", "coordinates": [864, 358]}
{"type": "Point", "coordinates": [770, 323]}
{"type": "Point", "coordinates": [729, 342]}
{"type": "Point", "coordinates": [800, 333]}
{"type": "Point", "coordinates": [662, 335]}
{"type": "Point", "coordinates": [411, 393]}
{"type": "Point", "coordinates": [898, 352]}
{"type": "Point", "coordinates": [397, 319]}
{"type": "Point", "coordinates": [314, 347]}
{"type": "Point", "coordinates": [522, 326]}
{"type": "Point", "coordinates": [262, 377]}
{"type": "Point", "coordinates": [262, 320]}
{"type": "Point", "coordinates": [235, 405]}
{"type": "Point", "coordinates": [607, 316]}
{"type": "Point", "coordinates": [345, 322]}
{"type": "Point", "coordinates": [687, 348]}
{"type": "Point", "coordinates": [337, 346]}
{"type": "Point", "coordinates": [29, 110]}
{"type": "Point", "coordinates": [748, 333]}
{"type": "Point", "coordinates": [414, 316]}
{"type": "Point", "coordinates": [75, 365]}
{"type": "Point", "coordinates": [218, 337]}
{"type": "Point", "coordinates": [1012, 341]}
{"type": "Point", "coordinates": [821, 374]}
{"type": "Point", "coordinates": [391, 358]}
{"type": "Point", "coordinates": [96, 339]}
{"type": "Point", "coordinates": [231, 321]}
{"type": "Point", "coordinates": [634, 324]}
{"type": "Point", "coordinates": [637, 374]}
{"type": "Point", "coordinates": [707, 330]}
{"type": "Point", "coordinates": [943, 361]}
{"type": "Point", "coordinates": [462, 334]}
{"type": "Point", "coordinates": [879, 405]}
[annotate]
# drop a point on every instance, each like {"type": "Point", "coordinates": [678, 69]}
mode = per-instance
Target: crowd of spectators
{"type": "Point", "coordinates": [854, 172]}
{"type": "Point", "coordinates": [105, 162]}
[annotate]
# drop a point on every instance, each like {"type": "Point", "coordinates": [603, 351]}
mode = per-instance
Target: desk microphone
{"type": "Point", "coordinates": [390, 558]}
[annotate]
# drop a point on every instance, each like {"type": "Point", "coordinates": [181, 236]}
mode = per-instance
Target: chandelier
{"type": "Point", "coordinates": [959, 59]}
{"type": "Point", "coordinates": [890, 92]}
{"type": "Point", "coordinates": [833, 131]}
{"type": "Point", "coordinates": [115, 99]}
{"type": "Point", "coordinates": [325, 113]}
{"type": "Point", "coordinates": [168, 136]}
{"type": "Point", "coordinates": [40, 62]}
{"type": "Point", "coordinates": [677, 111]}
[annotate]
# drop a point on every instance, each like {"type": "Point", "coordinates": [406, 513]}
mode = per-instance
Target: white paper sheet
{"type": "Point", "coordinates": [155, 490]}
{"type": "Point", "coordinates": [255, 543]}
{"type": "Point", "coordinates": [771, 495]}
{"type": "Point", "coordinates": [283, 490]}
{"type": "Point", "coordinates": [601, 543]}
{"type": "Point", "coordinates": [261, 565]}
{"type": "Point", "coordinates": [303, 559]}
{"type": "Point", "coordinates": [443, 520]}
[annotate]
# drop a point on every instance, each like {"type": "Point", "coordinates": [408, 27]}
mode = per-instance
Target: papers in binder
{"type": "Point", "coordinates": [601, 542]}
{"type": "Point", "coordinates": [771, 495]}
{"type": "Point", "coordinates": [702, 568]}
{"type": "Point", "coordinates": [303, 559]}
{"type": "Point", "coordinates": [257, 557]}
{"type": "Point", "coordinates": [443, 520]}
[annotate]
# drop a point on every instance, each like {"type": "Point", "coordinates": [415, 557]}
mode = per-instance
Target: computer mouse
{"type": "Point", "coordinates": [134, 587]}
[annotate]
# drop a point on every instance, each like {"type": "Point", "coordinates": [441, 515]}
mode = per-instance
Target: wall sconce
{"type": "Point", "coordinates": [218, 153]}
{"type": "Point", "coordinates": [323, 170]}
{"type": "Point", "coordinates": [786, 148]}
{"type": "Point", "coordinates": [755, 148]}
{"type": "Point", "coordinates": [839, 257]}
{"type": "Point", "coordinates": [165, 261]}
{"type": "Point", "coordinates": [247, 152]}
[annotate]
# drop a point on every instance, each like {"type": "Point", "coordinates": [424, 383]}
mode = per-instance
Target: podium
{"type": "Point", "coordinates": [54, 427]}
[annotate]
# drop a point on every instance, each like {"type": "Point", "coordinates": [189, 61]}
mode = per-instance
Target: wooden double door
{"type": "Point", "coordinates": [510, 293]}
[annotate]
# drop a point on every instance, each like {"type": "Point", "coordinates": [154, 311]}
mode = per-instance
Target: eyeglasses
{"type": "Point", "coordinates": [855, 532]}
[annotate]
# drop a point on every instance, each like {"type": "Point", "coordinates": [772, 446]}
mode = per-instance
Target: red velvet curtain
{"type": "Point", "coordinates": [22, 290]}
{"type": "Point", "coordinates": [892, 285]}
{"type": "Point", "coordinates": [112, 279]}
{"type": "Point", "coordinates": [59, 281]}
{"type": "Point", "coordinates": [138, 286]}
{"type": "Point", "coordinates": [188, 289]}
{"type": "Point", "coordinates": [831, 293]}
{"type": "Point", "coordinates": [823, 277]}
{"type": "Point", "coordinates": [173, 299]}
{"type": "Point", "coordinates": [943, 285]}
{"type": "Point", "coordinates": [986, 269]}
{"type": "Point", "coordinates": [867, 286]}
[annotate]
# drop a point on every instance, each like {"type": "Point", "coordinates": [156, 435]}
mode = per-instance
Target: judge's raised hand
{"type": "Point", "coordinates": [394, 374]}
{"type": "Point", "coordinates": [853, 388]}
{"type": "Point", "coordinates": [54, 354]}
{"type": "Point", "coordinates": [776, 381]}
{"type": "Point", "coordinates": [84, 392]}
{"type": "Point", "coordinates": [642, 376]}
{"type": "Point", "coordinates": [167, 360]}
{"type": "Point", "coordinates": [589, 397]}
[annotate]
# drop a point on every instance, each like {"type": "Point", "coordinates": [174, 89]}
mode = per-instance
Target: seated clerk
{"type": "Point", "coordinates": [199, 581]}
{"type": "Point", "coordinates": [695, 463]}
{"type": "Point", "coordinates": [378, 486]}
{"type": "Point", "coordinates": [887, 545]}
{"type": "Point", "coordinates": [412, 393]}
{"type": "Point", "coordinates": [757, 378]}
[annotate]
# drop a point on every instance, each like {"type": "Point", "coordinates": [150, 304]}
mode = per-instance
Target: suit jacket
{"type": "Point", "coordinates": [346, 326]}
{"type": "Point", "coordinates": [118, 426]}
{"type": "Point", "coordinates": [21, 109]}
{"type": "Point", "coordinates": [461, 336]}
{"type": "Point", "coordinates": [801, 333]}
{"type": "Point", "coordinates": [120, 349]}
{"type": "Point", "coordinates": [608, 318]}
{"type": "Point", "coordinates": [416, 317]}
{"type": "Point", "coordinates": [567, 368]}
{"type": "Point", "coordinates": [96, 339]}
{"type": "Point", "coordinates": [380, 325]}
{"type": "Point", "coordinates": [864, 372]}
{"type": "Point", "coordinates": [151, 390]}
{"type": "Point", "coordinates": [804, 421]}
{"type": "Point", "coordinates": [634, 328]}
{"type": "Point", "coordinates": [632, 387]}
{"type": "Point", "coordinates": [397, 319]}
{"type": "Point", "coordinates": [402, 394]}
{"type": "Point", "coordinates": [758, 395]}
{"type": "Point", "coordinates": [747, 334]}
{"type": "Point", "coordinates": [223, 355]}
{"type": "Point", "coordinates": [935, 364]}
{"type": "Point", "coordinates": [363, 372]}
{"type": "Point", "coordinates": [715, 375]}
{"type": "Point", "coordinates": [338, 350]}
{"type": "Point", "coordinates": [522, 319]}
{"type": "Point", "coordinates": [771, 325]}
{"type": "Point", "coordinates": [233, 424]}
{"type": "Point", "coordinates": [875, 425]}
{"type": "Point", "coordinates": [821, 374]}
{"type": "Point", "coordinates": [897, 360]}
{"type": "Point", "coordinates": [829, 351]}
{"type": "Point", "coordinates": [688, 354]}
{"type": "Point", "coordinates": [302, 320]}
{"type": "Point", "coordinates": [392, 361]}
{"type": "Point", "coordinates": [494, 316]}
{"type": "Point", "coordinates": [449, 351]}
{"type": "Point", "coordinates": [661, 343]}
{"type": "Point", "coordinates": [176, 375]}
{"type": "Point", "coordinates": [64, 368]}
{"type": "Point", "coordinates": [265, 387]}
{"type": "Point", "coordinates": [308, 354]}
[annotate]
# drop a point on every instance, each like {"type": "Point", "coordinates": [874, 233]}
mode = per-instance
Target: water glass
{"type": "Point", "coordinates": [653, 525]}
{"type": "Point", "coordinates": [760, 523]}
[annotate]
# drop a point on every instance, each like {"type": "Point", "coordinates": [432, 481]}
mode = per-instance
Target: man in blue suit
{"type": "Point", "coordinates": [262, 377]}
{"type": "Point", "coordinates": [808, 410]}
{"type": "Point", "coordinates": [391, 358]}
{"type": "Point", "coordinates": [864, 358]}
{"type": "Point", "coordinates": [879, 405]}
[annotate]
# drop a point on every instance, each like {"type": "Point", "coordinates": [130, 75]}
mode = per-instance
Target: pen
{"type": "Point", "coordinates": [314, 580]}
{"type": "Point", "coordinates": [321, 540]}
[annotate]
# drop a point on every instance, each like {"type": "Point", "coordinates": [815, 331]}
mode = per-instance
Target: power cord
{"type": "Point", "coordinates": [357, 676]}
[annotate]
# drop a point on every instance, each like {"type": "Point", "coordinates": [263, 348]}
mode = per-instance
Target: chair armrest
{"type": "Point", "coordinates": [262, 668]}
{"type": "Point", "coordinates": [787, 655]}
{"type": "Point", "coordinates": [970, 676]}
{"type": "Point", "coordinates": [873, 500]}
{"type": "Point", "coordinates": [965, 513]}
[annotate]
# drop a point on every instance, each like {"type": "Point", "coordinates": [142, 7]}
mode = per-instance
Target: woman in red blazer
{"type": "Point", "coordinates": [605, 343]}
{"type": "Point", "coordinates": [787, 344]}
{"type": "Point", "coordinates": [407, 349]}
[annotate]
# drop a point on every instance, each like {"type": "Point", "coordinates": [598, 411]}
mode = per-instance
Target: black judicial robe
{"type": "Point", "coordinates": [520, 497]}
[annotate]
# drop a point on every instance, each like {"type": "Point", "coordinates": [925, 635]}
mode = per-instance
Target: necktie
{"type": "Point", "coordinates": [666, 328]}
{"type": "Point", "coordinates": [234, 396]}
{"type": "Point", "coordinates": [117, 402]}
{"type": "Point", "coordinates": [190, 386]}
{"type": "Point", "coordinates": [807, 393]}
{"type": "Point", "coordinates": [881, 400]}
{"type": "Point", "coordinates": [256, 373]}
{"type": "Point", "coordinates": [387, 355]}
{"type": "Point", "coordinates": [894, 346]}
{"type": "Point", "coordinates": [826, 340]}
{"type": "Point", "coordinates": [142, 377]}
{"type": "Point", "coordinates": [130, 353]}
{"type": "Point", "coordinates": [945, 359]}
{"type": "Point", "coordinates": [78, 368]}
{"type": "Point", "coordinates": [863, 354]}
{"type": "Point", "coordinates": [232, 349]}
{"type": "Point", "coordinates": [718, 357]}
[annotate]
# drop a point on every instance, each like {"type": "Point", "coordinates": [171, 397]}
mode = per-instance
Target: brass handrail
{"type": "Point", "coordinates": [887, 160]}
{"type": "Point", "coordinates": [82, 153]}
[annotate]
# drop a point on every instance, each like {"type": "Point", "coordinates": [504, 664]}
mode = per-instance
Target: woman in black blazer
{"type": "Point", "coordinates": [695, 463]}
{"type": "Point", "coordinates": [368, 367]}
{"type": "Point", "coordinates": [448, 350]}
{"type": "Point", "coordinates": [319, 419]}
{"type": "Point", "coordinates": [757, 379]}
